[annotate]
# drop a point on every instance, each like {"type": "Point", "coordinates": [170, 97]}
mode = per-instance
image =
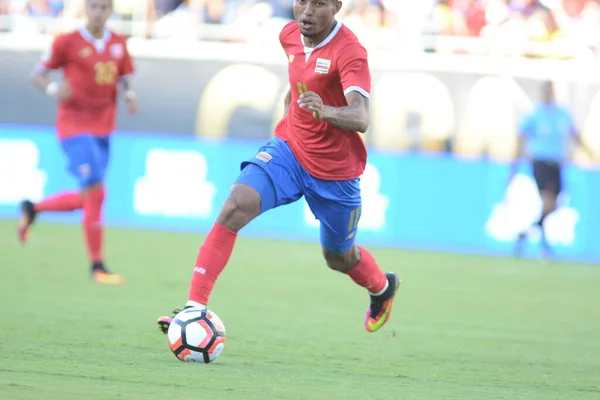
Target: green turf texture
{"type": "Point", "coordinates": [463, 327]}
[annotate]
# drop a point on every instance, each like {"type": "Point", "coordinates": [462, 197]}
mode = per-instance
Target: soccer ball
{"type": "Point", "coordinates": [196, 335]}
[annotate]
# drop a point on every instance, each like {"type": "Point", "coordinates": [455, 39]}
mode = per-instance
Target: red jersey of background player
{"type": "Point", "coordinates": [333, 68]}
{"type": "Point", "coordinates": [93, 68]}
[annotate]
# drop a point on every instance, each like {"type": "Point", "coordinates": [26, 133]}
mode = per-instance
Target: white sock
{"type": "Point", "coordinates": [195, 304]}
{"type": "Point", "coordinates": [387, 283]}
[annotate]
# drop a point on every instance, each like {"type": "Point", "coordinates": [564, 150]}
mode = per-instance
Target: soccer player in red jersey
{"type": "Point", "coordinates": [94, 61]}
{"type": "Point", "coordinates": [317, 153]}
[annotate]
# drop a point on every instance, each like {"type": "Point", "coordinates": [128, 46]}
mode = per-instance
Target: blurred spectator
{"type": "Point", "coordinates": [587, 26]}
{"type": "Point", "coordinates": [5, 7]}
{"type": "Point", "coordinates": [371, 20]}
{"type": "Point", "coordinates": [444, 20]}
{"type": "Point", "coordinates": [45, 8]}
{"type": "Point", "coordinates": [473, 15]}
{"type": "Point", "coordinates": [182, 21]}
{"type": "Point", "coordinates": [556, 28]}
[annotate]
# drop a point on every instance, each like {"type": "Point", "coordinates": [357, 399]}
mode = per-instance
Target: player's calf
{"type": "Point", "coordinates": [241, 207]}
{"type": "Point", "coordinates": [28, 215]}
{"type": "Point", "coordinates": [360, 265]}
{"type": "Point", "coordinates": [342, 262]}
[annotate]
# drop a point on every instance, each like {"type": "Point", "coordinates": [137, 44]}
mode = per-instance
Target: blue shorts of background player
{"type": "Point", "coordinates": [87, 157]}
{"type": "Point", "coordinates": [336, 204]}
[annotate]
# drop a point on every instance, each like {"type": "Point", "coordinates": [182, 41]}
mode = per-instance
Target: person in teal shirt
{"type": "Point", "coordinates": [544, 135]}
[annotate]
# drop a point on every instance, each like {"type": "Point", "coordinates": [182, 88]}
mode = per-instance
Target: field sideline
{"type": "Point", "coordinates": [463, 327]}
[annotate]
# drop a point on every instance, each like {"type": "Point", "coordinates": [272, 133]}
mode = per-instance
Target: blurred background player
{"type": "Point", "coordinates": [544, 136]}
{"type": "Point", "coordinates": [317, 152]}
{"type": "Point", "coordinates": [94, 61]}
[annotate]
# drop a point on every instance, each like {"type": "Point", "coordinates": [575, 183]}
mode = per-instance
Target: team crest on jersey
{"type": "Point", "coordinates": [322, 66]}
{"type": "Point", "coordinates": [264, 156]}
{"type": "Point", "coordinates": [291, 58]}
{"type": "Point", "coordinates": [85, 52]}
{"type": "Point", "coordinates": [116, 50]}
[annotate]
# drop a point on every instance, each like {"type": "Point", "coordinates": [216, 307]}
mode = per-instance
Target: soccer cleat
{"type": "Point", "coordinates": [520, 245]}
{"type": "Point", "coordinates": [102, 276]}
{"type": "Point", "coordinates": [28, 215]}
{"type": "Point", "coordinates": [546, 255]}
{"type": "Point", "coordinates": [380, 309]}
{"type": "Point", "coordinates": [164, 321]}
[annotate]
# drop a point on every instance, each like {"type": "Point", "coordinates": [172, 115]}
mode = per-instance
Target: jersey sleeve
{"type": "Point", "coordinates": [353, 67]}
{"type": "Point", "coordinates": [127, 67]}
{"type": "Point", "coordinates": [285, 33]}
{"type": "Point", "coordinates": [526, 125]}
{"type": "Point", "coordinates": [55, 56]}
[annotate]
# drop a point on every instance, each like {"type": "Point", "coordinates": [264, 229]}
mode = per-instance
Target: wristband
{"type": "Point", "coordinates": [129, 95]}
{"type": "Point", "coordinates": [52, 89]}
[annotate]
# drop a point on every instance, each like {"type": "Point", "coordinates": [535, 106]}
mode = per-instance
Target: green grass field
{"type": "Point", "coordinates": [463, 327]}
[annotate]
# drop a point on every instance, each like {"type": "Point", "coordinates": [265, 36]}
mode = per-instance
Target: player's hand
{"type": "Point", "coordinates": [131, 102]}
{"type": "Point", "coordinates": [312, 102]}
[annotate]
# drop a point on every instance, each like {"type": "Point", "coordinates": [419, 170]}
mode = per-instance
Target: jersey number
{"type": "Point", "coordinates": [106, 73]}
{"type": "Point", "coordinates": [301, 87]}
{"type": "Point", "coordinates": [354, 218]}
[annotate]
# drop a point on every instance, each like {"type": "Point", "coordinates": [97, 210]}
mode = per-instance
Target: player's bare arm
{"type": "Point", "coordinates": [353, 117]}
{"type": "Point", "coordinates": [129, 95]}
{"type": "Point", "coordinates": [581, 143]}
{"type": "Point", "coordinates": [42, 81]}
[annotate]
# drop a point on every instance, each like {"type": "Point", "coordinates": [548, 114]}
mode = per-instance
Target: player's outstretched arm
{"type": "Point", "coordinates": [53, 59]}
{"type": "Point", "coordinates": [581, 143]}
{"type": "Point", "coordinates": [129, 95]}
{"type": "Point", "coordinates": [42, 81]}
{"type": "Point", "coordinates": [576, 134]}
{"type": "Point", "coordinates": [353, 117]}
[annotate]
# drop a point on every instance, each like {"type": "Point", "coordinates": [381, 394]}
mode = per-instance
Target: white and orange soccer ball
{"type": "Point", "coordinates": [196, 335]}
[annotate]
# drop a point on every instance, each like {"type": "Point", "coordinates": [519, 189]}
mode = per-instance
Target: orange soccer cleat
{"type": "Point", "coordinates": [380, 309]}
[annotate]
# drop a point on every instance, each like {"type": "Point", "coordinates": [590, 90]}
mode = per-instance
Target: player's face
{"type": "Point", "coordinates": [98, 12]}
{"type": "Point", "coordinates": [548, 93]}
{"type": "Point", "coordinates": [315, 16]}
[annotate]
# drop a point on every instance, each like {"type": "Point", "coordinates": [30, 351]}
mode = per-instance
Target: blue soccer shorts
{"type": "Point", "coordinates": [87, 157]}
{"type": "Point", "coordinates": [278, 177]}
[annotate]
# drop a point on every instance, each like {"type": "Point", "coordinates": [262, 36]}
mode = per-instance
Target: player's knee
{"type": "Point", "coordinates": [241, 207]}
{"type": "Point", "coordinates": [342, 262]}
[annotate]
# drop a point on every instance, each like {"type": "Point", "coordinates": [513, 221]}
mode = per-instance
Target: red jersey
{"type": "Point", "coordinates": [335, 67]}
{"type": "Point", "coordinates": [93, 67]}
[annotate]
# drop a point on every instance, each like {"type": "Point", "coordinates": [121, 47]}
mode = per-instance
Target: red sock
{"type": "Point", "coordinates": [212, 258]}
{"type": "Point", "coordinates": [92, 222]}
{"type": "Point", "coordinates": [367, 273]}
{"type": "Point", "coordinates": [65, 201]}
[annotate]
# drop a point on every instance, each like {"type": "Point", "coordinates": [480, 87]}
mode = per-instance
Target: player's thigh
{"type": "Point", "coordinates": [337, 205]}
{"type": "Point", "coordinates": [102, 153]}
{"type": "Point", "coordinates": [556, 178]}
{"type": "Point", "coordinates": [84, 159]}
{"type": "Point", "coordinates": [270, 174]}
{"type": "Point", "coordinates": [547, 176]}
